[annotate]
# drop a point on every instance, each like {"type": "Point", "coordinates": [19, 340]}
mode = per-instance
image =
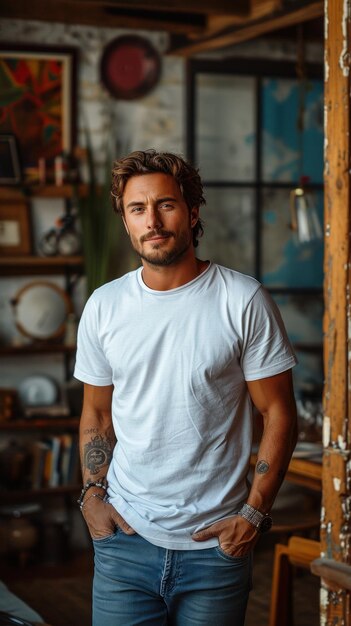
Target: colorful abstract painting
{"type": "Point", "coordinates": [36, 104]}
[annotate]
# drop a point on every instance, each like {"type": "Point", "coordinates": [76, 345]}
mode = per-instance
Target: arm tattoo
{"type": "Point", "coordinates": [262, 467]}
{"type": "Point", "coordinates": [97, 453]}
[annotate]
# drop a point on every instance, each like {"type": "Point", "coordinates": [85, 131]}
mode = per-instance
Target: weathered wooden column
{"type": "Point", "coordinates": [336, 509]}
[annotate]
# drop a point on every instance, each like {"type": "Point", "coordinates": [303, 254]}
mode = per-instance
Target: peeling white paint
{"type": "Point", "coordinates": [344, 56]}
{"type": "Point", "coordinates": [323, 599]}
{"type": "Point", "coordinates": [337, 483]}
{"type": "Point", "coordinates": [326, 65]}
{"type": "Point", "coordinates": [326, 431]}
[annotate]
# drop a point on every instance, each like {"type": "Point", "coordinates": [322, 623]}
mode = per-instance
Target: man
{"type": "Point", "coordinates": [172, 356]}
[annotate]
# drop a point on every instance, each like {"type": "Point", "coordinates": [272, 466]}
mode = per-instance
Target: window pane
{"type": "Point", "coordinates": [229, 228]}
{"type": "Point", "coordinates": [308, 375]}
{"type": "Point", "coordinates": [303, 317]}
{"type": "Point", "coordinates": [225, 127]}
{"type": "Point", "coordinates": [287, 153]}
{"type": "Point", "coordinates": [285, 261]}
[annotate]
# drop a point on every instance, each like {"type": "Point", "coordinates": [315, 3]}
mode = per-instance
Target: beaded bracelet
{"type": "Point", "coordinates": [91, 483]}
{"type": "Point", "coordinates": [93, 495]}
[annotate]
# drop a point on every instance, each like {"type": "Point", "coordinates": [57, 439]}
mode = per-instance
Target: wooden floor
{"type": "Point", "coordinates": [62, 595]}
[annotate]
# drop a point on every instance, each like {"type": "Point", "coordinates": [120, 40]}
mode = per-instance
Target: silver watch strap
{"type": "Point", "coordinates": [252, 515]}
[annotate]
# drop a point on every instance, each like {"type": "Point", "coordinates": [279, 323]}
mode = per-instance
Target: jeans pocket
{"type": "Point", "coordinates": [228, 557]}
{"type": "Point", "coordinates": [107, 539]}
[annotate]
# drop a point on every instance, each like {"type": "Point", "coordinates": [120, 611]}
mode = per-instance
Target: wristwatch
{"type": "Point", "coordinates": [261, 521]}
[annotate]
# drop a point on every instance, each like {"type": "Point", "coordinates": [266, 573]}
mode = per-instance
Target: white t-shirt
{"type": "Point", "coordinates": [178, 361]}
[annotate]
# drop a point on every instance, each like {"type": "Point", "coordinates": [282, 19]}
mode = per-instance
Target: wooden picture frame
{"type": "Point", "coordinates": [10, 169]}
{"type": "Point", "coordinates": [15, 229]}
{"type": "Point", "coordinates": [39, 96]}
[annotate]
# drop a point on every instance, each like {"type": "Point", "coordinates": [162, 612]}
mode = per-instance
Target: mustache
{"type": "Point", "coordinates": [156, 233]}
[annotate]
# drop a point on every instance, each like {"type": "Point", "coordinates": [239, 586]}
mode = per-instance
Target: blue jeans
{"type": "Point", "coordinates": [139, 584]}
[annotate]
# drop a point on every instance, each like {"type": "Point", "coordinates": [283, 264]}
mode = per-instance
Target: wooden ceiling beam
{"type": "Point", "coordinates": [102, 15]}
{"type": "Point", "coordinates": [233, 36]}
{"type": "Point", "coordinates": [241, 8]}
{"type": "Point", "coordinates": [259, 10]}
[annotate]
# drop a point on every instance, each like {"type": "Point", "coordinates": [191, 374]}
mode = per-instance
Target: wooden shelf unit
{"type": "Point", "coordinates": [29, 265]}
{"type": "Point", "coordinates": [42, 191]}
{"type": "Point", "coordinates": [68, 424]}
{"type": "Point", "coordinates": [25, 495]}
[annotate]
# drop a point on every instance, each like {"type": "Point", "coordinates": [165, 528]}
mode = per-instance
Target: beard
{"type": "Point", "coordinates": [163, 258]}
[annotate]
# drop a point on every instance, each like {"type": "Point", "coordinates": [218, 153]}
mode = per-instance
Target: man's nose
{"type": "Point", "coordinates": [153, 219]}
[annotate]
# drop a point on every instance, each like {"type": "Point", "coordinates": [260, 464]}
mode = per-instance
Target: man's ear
{"type": "Point", "coordinates": [125, 224]}
{"type": "Point", "coordinates": [194, 216]}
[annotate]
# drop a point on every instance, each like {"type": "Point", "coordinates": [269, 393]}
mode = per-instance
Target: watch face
{"type": "Point", "coordinates": [266, 524]}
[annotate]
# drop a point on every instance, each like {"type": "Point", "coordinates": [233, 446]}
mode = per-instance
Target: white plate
{"type": "Point", "coordinates": [38, 390]}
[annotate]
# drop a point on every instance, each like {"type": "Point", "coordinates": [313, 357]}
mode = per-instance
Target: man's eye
{"type": "Point", "coordinates": [166, 205]}
{"type": "Point", "coordinates": [137, 209]}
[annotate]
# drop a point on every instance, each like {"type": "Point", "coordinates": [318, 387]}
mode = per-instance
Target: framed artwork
{"type": "Point", "coordinates": [38, 102]}
{"type": "Point", "coordinates": [15, 231]}
{"type": "Point", "coordinates": [10, 170]}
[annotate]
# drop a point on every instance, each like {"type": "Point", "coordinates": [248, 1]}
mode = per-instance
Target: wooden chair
{"type": "Point", "coordinates": [298, 552]}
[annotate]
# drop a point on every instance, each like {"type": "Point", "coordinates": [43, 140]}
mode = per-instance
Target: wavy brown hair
{"type": "Point", "coordinates": [151, 162]}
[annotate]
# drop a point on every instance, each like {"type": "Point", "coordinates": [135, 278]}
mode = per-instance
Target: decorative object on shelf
{"type": "Point", "coordinates": [41, 397]}
{"type": "Point", "coordinates": [18, 532]}
{"type": "Point", "coordinates": [14, 463]}
{"type": "Point", "coordinates": [38, 390]}
{"type": "Point", "coordinates": [64, 239]}
{"type": "Point", "coordinates": [70, 337]}
{"type": "Point", "coordinates": [130, 67]}
{"type": "Point", "coordinates": [8, 404]}
{"type": "Point", "coordinates": [38, 87]}
{"type": "Point", "coordinates": [15, 229]}
{"type": "Point", "coordinates": [10, 169]}
{"type": "Point", "coordinates": [40, 309]}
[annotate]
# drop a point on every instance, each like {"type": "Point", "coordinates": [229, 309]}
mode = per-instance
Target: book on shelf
{"type": "Point", "coordinates": [55, 461]}
{"type": "Point", "coordinates": [39, 452]}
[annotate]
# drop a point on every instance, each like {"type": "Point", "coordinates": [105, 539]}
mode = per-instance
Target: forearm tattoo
{"type": "Point", "coordinates": [97, 453]}
{"type": "Point", "coordinates": [262, 467]}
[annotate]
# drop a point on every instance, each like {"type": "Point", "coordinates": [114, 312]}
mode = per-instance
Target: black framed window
{"type": "Point", "coordinates": [254, 129]}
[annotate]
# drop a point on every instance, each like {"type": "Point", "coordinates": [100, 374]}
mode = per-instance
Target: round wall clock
{"type": "Point", "coordinates": [41, 309]}
{"type": "Point", "coordinates": [130, 67]}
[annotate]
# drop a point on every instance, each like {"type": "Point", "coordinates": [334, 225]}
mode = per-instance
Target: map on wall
{"type": "Point", "coordinates": [288, 152]}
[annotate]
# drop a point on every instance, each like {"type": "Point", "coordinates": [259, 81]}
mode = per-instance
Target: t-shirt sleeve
{"type": "Point", "coordinates": [91, 365]}
{"type": "Point", "coordinates": [266, 348]}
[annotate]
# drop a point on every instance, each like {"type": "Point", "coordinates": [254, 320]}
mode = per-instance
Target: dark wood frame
{"type": "Point", "coordinates": [17, 212]}
{"type": "Point", "coordinates": [15, 177]}
{"type": "Point", "coordinates": [67, 54]}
